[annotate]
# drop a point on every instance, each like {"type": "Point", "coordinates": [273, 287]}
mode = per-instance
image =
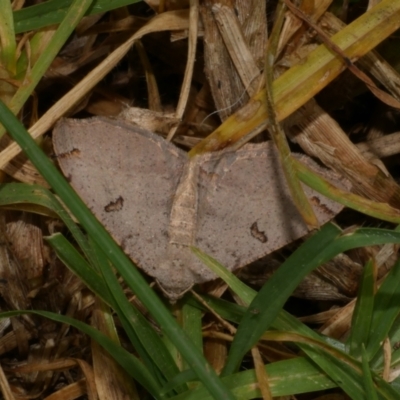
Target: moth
{"type": "Point", "coordinates": [156, 202]}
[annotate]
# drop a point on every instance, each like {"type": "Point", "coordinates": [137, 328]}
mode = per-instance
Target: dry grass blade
{"type": "Point", "coordinates": [154, 102]}
{"type": "Point", "coordinates": [299, 84]}
{"type": "Point", "coordinates": [383, 96]}
{"type": "Point", "coordinates": [111, 381]}
{"type": "Point", "coordinates": [277, 134]}
{"type": "Point", "coordinates": [234, 45]}
{"type": "Point", "coordinates": [187, 80]}
{"type": "Point", "coordinates": [5, 386]}
{"type": "Point", "coordinates": [174, 20]}
{"type": "Point", "coordinates": [321, 136]}
{"type": "Point", "coordinates": [262, 376]}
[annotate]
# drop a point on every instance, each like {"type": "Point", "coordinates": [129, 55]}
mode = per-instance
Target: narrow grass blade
{"type": "Point", "coordinates": [234, 313]}
{"type": "Point", "coordinates": [370, 390]}
{"type": "Point", "coordinates": [53, 11]}
{"type": "Point", "coordinates": [192, 326]}
{"type": "Point", "coordinates": [287, 378]}
{"type": "Point", "coordinates": [374, 209]}
{"type": "Point", "coordinates": [345, 371]}
{"type": "Point", "coordinates": [104, 365]}
{"type": "Point", "coordinates": [363, 311]}
{"type": "Point", "coordinates": [344, 375]}
{"type": "Point", "coordinates": [382, 388]}
{"type": "Point", "coordinates": [349, 373]}
{"type": "Point", "coordinates": [386, 310]}
{"type": "Point", "coordinates": [245, 293]}
{"type": "Point", "coordinates": [266, 305]}
{"type": "Point", "coordinates": [338, 366]}
{"type": "Point", "coordinates": [182, 378]}
{"type": "Point", "coordinates": [70, 256]}
{"type": "Point", "coordinates": [75, 13]}
{"type": "Point", "coordinates": [142, 335]}
{"type": "Point", "coordinates": [132, 277]}
{"type": "Point", "coordinates": [284, 321]}
{"type": "Point", "coordinates": [277, 134]}
{"type": "Point", "coordinates": [322, 247]}
{"type": "Point", "coordinates": [35, 198]}
{"type": "Point", "coordinates": [8, 46]}
{"type": "Point", "coordinates": [377, 362]}
{"type": "Point", "coordinates": [386, 390]}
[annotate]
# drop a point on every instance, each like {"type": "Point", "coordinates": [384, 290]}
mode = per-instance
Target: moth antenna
{"type": "Point", "coordinates": [232, 105]}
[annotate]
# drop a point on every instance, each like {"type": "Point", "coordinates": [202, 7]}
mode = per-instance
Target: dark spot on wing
{"type": "Point", "coordinates": [317, 203]}
{"type": "Point", "coordinates": [115, 205]}
{"type": "Point", "coordinates": [72, 153]}
{"type": "Point", "coordinates": [257, 234]}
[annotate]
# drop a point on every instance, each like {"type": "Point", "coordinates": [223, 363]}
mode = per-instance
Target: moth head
{"type": "Point", "coordinates": [176, 278]}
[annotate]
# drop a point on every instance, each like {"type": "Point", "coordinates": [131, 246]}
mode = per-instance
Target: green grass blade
{"type": "Point", "coordinates": [349, 373]}
{"type": "Point", "coordinates": [182, 378]}
{"type": "Point", "coordinates": [361, 204]}
{"type": "Point", "coordinates": [266, 305]}
{"type": "Point", "coordinates": [363, 311]}
{"type": "Point", "coordinates": [232, 312]}
{"type": "Point", "coordinates": [339, 366]}
{"type": "Point", "coordinates": [367, 377]}
{"type": "Point", "coordinates": [278, 136]}
{"type": "Point", "coordinates": [245, 293]}
{"type": "Point", "coordinates": [385, 390]}
{"type": "Point", "coordinates": [386, 310]}
{"type": "Point", "coordinates": [320, 248]}
{"type": "Point", "coordinates": [192, 325]}
{"type": "Point", "coordinates": [191, 322]}
{"type": "Point", "coordinates": [72, 18]}
{"type": "Point", "coordinates": [345, 376]}
{"type": "Point", "coordinates": [35, 198]}
{"type": "Point", "coordinates": [339, 371]}
{"type": "Point", "coordinates": [284, 321]}
{"type": "Point", "coordinates": [8, 46]}
{"type": "Point", "coordinates": [377, 363]}
{"type": "Point", "coordinates": [112, 251]}
{"type": "Point", "coordinates": [142, 335]}
{"type": "Point", "coordinates": [287, 378]}
{"type": "Point", "coordinates": [70, 257]}
{"type": "Point", "coordinates": [53, 11]}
